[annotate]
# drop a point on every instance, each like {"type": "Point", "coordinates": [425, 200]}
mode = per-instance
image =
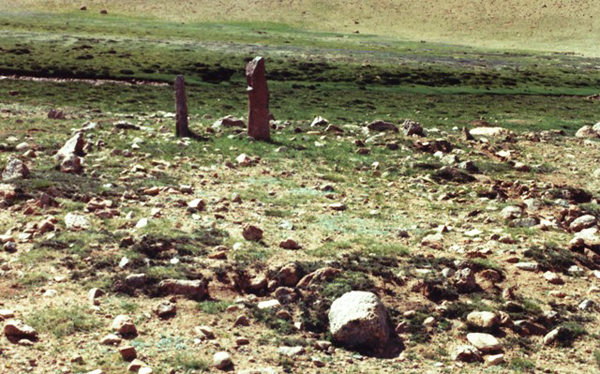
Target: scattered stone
{"type": "Point", "coordinates": [252, 233]}
{"type": "Point", "coordinates": [359, 318]}
{"type": "Point", "coordinates": [123, 325]}
{"type": "Point", "coordinates": [94, 294]}
{"type": "Point", "coordinates": [553, 278]}
{"type": "Point", "coordinates": [136, 365]}
{"type": "Point", "coordinates": [16, 329]}
{"type": "Point", "coordinates": [494, 360]}
{"type": "Point", "coordinates": [165, 309]}
{"type": "Point", "coordinates": [111, 339]}
{"type": "Point", "coordinates": [527, 266]}
{"type": "Point", "coordinates": [317, 277]}
{"type": "Point", "coordinates": [489, 131]}
{"type": "Point", "coordinates": [56, 114]}
{"type": "Point", "coordinates": [338, 207]}
{"type": "Point", "coordinates": [484, 342]}
{"type": "Point", "coordinates": [289, 275]}
{"type": "Point", "coordinates": [587, 132]}
{"type": "Point", "coordinates": [128, 353]}
{"type": "Point", "coordinates": [587, 305]}
{"type": "Point", "coordinates": [484, 319]}
{"type": "Point", "coordinates": [583, 222]}
{"type": "Point", "coordinates": [15, 169]}
{"type": "Point", "coordinates": [71, 164]}
{"type": "Point", "coordinates": [196, 205]}
{"type": "Point", "coordinates": [291, 351]}
{"type": "Point", "coordinates": [452, 174]}
{"type": "Point", "coordinates": [382, 126]}
{"type": "Point", "coordinates": [73, 146]}
{"type": "Point", "coordinates": [551, 337]}
{"type": "Point", "coordinates": [241, 321]}
{"type": "Point", "coordinates": [319, 121]}
{"type": "Point", "coordinates": [222, 360]}
{"type": "Point", "coordinates": [269, 304]}
{"type": "Point", "coordinates": [466, 353]}
{"type": "Point", "coordinates": [411, 128]}
{"type": "Point", "coordinates": [525, 222]}
{"type": "Point", "coordinates": [290, 244]}
{"type": "Point", "coordinates": [464, 281]}
{"type": "Point", "coordinates": [77, 222]}
{"type": "Point", "coordinates": [228, 121]}
{"type": "Point", "coordinates": [192, 289]}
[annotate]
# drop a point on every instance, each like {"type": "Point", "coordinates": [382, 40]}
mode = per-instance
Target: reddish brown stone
{"type": "Point", "coordinates": [258, 100]}
{"type": "Point", "coordinates": [181, 117]}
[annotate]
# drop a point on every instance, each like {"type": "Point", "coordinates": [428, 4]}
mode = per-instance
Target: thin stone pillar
{"type": "Point", "coordinates": [181, 125]}
{"type": "Point", "coordinates": [258, 100]}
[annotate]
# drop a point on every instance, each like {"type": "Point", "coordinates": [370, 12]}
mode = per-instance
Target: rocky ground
{"type": "Point", "coordinates": [126, 248]}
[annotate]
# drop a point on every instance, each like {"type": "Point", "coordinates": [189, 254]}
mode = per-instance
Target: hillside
{"type": "Point", "coordinates": [555, 25]}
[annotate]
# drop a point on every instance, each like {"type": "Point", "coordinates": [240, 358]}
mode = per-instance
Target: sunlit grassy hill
{"type": "Point", "coordinates": [556, 25]}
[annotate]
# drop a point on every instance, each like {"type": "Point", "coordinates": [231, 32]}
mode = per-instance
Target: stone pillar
{"type": "Point", "coordinates": [181, 118]}
{"type": "Point", "coordinates": [258, 100]}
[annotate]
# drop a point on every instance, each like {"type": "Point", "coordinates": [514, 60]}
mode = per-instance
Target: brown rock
{"type": "Point", "coordinates": [16, 330]}
{"type": "Point", "coordinates": [252, 233]}
{"type": "Point", "coordinates": [56, 114]}
{"type": "Point", "coordinates": [382, 126]}
{"type": "Point", "coordinates": [289, 275]}
{"type": "Point", "coordinates": [192, 289]}
{"type": "Point", "coordinates": [128, 353]}
{"type": "Point", "coordinates": [290, 244]}
{"type": "Point", "coordinates": [258, 100]}
{"type": "Point", "coordinates": [318, 276]}
{"type": "Point", "coordinates": [123, 325]}
{"type": "Point", "coordinates": [165, 309]}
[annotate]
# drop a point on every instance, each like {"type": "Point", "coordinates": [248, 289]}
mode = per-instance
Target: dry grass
{"type": "Point", "coordinates": [531, 24]}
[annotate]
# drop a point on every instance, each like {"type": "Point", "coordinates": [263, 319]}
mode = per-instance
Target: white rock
{"type": "Point", "coordinates": [528, 266]}
{"type": "Point", "coordinates": [359, 318]}
{"type": "Point", "coordinates": [141, 223]}
{"type": "Point", "coordinates": [494, 360]}
{"type": "Point", "coordinates": [484, 342]}
{"type": "Point", "coordinates": [76, 221]}
{"type": "Point", "coordinates": [269, 304]}
{"type": "Point", "coordinates": [291, 351]}
{"type": "Point", "coordinates": [489, 131]}
{"type": "Point", "coordinates": [553, 278]}
{"type": "Point", "coordinates": [482, 319]}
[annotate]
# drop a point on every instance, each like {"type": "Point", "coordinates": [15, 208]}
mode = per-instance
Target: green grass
{"type": "Point", "coordinates": [522, 365]}
{"type": "Point", "coordinates": [191, 363]}
{"type": "Point", "coordinates": [439, 85]}
{"type": "Point", "coordinates": [541, 27]}
{"type": "Point", "coordinates": [213, 307]}
{"type": "Point", "coordinates": [63, 321]}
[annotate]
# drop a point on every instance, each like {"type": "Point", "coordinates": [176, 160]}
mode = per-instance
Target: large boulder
{"type": "Point", "coordinates": [359, 319]}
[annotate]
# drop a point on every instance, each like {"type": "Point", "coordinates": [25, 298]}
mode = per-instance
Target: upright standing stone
{"type": "Point", "coordinates": [258, 100]}
{"type": "Point", "coordinates": [181, 129]}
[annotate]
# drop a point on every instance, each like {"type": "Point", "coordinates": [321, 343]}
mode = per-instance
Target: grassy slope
{"type": "Point", "coordinates": [557, 25]}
